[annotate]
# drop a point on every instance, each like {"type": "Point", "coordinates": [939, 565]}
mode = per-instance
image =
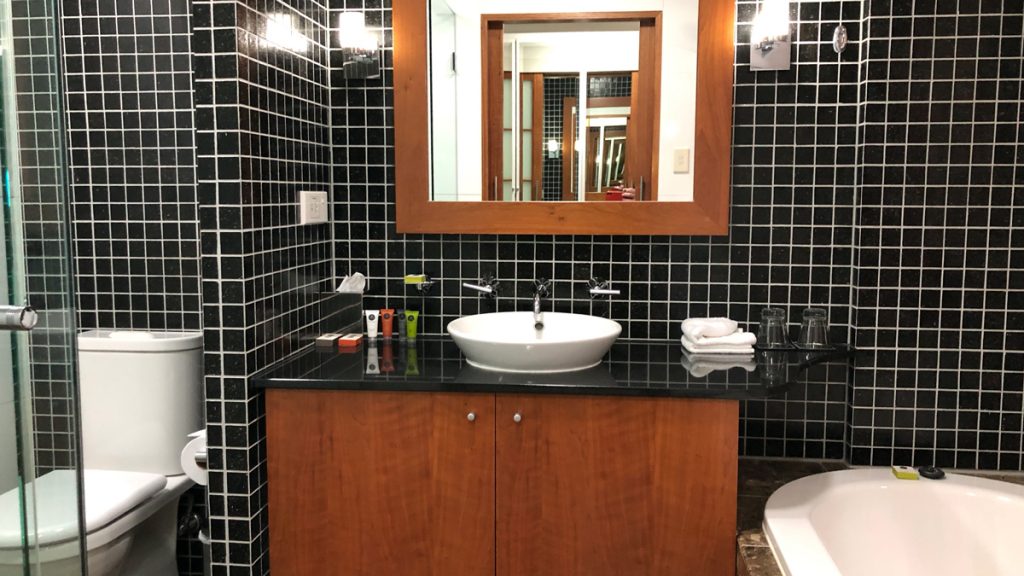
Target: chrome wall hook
{"type": "Point", "coordinates": [840, 38]}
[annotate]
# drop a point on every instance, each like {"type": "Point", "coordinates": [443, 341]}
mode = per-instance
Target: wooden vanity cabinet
{"type": "Point", "coordinates": [380, 483]}
{"type": "Point", "coordinates": [611, 486]}
{"type": "Point", "coordinates": [406, 483]}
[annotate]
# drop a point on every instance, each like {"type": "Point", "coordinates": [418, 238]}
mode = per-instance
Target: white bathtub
{"type": "Point", "coordinates": [865, 522]}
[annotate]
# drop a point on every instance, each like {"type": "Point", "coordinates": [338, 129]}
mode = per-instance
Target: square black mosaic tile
{"type": "Point", "coordinates": [939, 292]}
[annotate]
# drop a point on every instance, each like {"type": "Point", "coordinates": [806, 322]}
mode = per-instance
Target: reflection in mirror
{"type": "Point", "coordinates": [542, 113]}
{"type": "Point", "coordinates": [533, 77]}
{"type": "Point", "coordinates": [443, 102]}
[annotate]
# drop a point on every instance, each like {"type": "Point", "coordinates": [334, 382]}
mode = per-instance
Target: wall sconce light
{"type": "Point", "coordinates": [770, 45]}
{"type": "Point", "coordinates": [360, 47]}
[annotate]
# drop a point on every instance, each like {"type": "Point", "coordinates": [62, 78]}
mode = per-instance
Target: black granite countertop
{"type": "Point", "coordinates": [631, 368]}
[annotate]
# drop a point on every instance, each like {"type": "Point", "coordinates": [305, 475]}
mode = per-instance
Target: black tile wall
{"type": "Point", "coordinates": [556, 90]}
{"type": "Point", "coordinates": [127, 71]}
{"type": "Point", "coordinates": [940, 271]}
{"type": "Point", "coordinates": [790, 244]}
{"type": "Point", "coordinates": [131, 158]}
{"type": "Point", "coordinates": [794, 164]}
{"type": "Point", "coordinates": [262, 135]}
{"type": "Point", "coordinates": [609, 86]}
{"type": "Point", "coordinates": [44, 226]}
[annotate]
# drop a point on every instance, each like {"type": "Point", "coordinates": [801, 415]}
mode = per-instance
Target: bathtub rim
{"type": "Point", "coordinates": [793, 521]}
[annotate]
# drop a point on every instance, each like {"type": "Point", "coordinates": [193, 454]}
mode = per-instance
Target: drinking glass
{"type": "Point", "coordinates": [772, 332]}
{"type": "Point", "coordinates": [813, 330]}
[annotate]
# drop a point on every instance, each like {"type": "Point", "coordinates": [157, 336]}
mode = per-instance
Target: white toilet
{"type": "Point", "coordinates": [140, 398]}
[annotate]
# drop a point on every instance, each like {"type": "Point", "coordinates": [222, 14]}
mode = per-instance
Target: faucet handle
{"type": "Point", "coordinates": [542, 286]}
{"type": "Point", "coordinates": [600, 287]}
{"type": "Point", "coordinates": [487, 285]}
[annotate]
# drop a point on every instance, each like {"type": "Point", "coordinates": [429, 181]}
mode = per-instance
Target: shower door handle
{"type": "Point", "coordinates": [19, 318]}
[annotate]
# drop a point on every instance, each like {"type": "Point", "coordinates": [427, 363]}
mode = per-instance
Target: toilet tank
{"type": "Point", "coordinates": [140, 396]}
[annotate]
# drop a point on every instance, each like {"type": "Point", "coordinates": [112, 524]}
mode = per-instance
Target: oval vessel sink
{"type": "Point", "coordinates": [509, 342]}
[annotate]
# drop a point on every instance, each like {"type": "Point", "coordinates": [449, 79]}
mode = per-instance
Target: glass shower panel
{"type": "Point", "coordinates": [39, 439]}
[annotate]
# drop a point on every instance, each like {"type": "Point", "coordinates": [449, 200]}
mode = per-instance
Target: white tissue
{"type": "Point", "coordinates": [356, 283]}
{"type": "Point", "coordinates": [192, 469]}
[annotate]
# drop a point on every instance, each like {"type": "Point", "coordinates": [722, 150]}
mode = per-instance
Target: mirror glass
{"type": "Point", "coordinates": [510, 81]}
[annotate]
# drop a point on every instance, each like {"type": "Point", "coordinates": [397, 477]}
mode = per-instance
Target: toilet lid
{"type": "Point", "coordinates": [108, 495]}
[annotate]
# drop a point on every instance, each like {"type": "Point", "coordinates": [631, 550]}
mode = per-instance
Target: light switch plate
{"type": "Point", "coordinates": [681, 161]}
{"type": "Point", "coordinates": [313, 207]}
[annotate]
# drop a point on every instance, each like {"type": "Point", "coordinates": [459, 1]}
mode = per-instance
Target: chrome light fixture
{"type": "Point", "coordinates": [770, 45]}
{"type": "Point", "coordinates": [360, 47]}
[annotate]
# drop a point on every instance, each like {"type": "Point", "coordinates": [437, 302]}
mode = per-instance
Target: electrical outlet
{"type": "Point", "coordinates": [313, 207]}
{"type": "Point", "coordinates": [681, 161]}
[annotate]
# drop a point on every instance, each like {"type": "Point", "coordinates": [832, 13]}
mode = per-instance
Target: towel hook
{"type": "Point", "coordinates": [840, 38]}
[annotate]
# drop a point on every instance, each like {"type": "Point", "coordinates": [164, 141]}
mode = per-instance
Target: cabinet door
{"type": "Point", "coordinates": [595, 486]}
{"type": "Point", "coordinates": [372, 483]}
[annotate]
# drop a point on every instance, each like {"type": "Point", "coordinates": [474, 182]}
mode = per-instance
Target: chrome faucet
{"type": "Point", "coordinates": [542, 289]}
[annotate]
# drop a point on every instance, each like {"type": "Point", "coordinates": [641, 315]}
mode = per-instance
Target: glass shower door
{"type": "Point", "coordinates": [40, 477]}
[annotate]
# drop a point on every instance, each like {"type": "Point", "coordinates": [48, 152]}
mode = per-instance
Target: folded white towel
{"type": "Point", "coordinates": [691, 347]}
{"type": "Point", "coordinates": [708, 327]}
{"type": "Point", "coordinates": [700, 365]}
{"type": "Point", "coordinates": [737, 338]}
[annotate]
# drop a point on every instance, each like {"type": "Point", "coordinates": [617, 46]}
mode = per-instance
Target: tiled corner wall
{"type": "Point", "coordinates": [790, 243]}
{"type": "Point", "coordinates": [262, 135]}
{"type": "Point", "coordinates": [940, 274]}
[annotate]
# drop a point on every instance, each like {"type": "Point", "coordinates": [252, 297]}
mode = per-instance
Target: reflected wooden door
{"type": "Point", "coordinates": [599, 486]}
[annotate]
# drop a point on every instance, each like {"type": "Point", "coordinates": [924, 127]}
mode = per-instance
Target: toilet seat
{"type": "Point", "coordinates": [109, 494]}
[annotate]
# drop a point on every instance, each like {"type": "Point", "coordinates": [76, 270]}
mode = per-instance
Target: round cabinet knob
{"type": "Point", "coordinates": [471, 416]}
{"type": "Point", "coordinates": [517, 417]}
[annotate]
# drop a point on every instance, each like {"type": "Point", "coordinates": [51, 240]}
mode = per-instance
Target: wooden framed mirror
{"type": "Point", "coordinates": [612, 184]}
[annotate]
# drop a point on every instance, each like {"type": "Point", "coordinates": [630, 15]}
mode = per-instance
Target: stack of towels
{"type": "Point", "coordinates": [716, 336]}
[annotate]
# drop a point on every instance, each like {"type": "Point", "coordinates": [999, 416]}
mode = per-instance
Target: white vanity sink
{"type": "Point", "coordinates": [509, 342]}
